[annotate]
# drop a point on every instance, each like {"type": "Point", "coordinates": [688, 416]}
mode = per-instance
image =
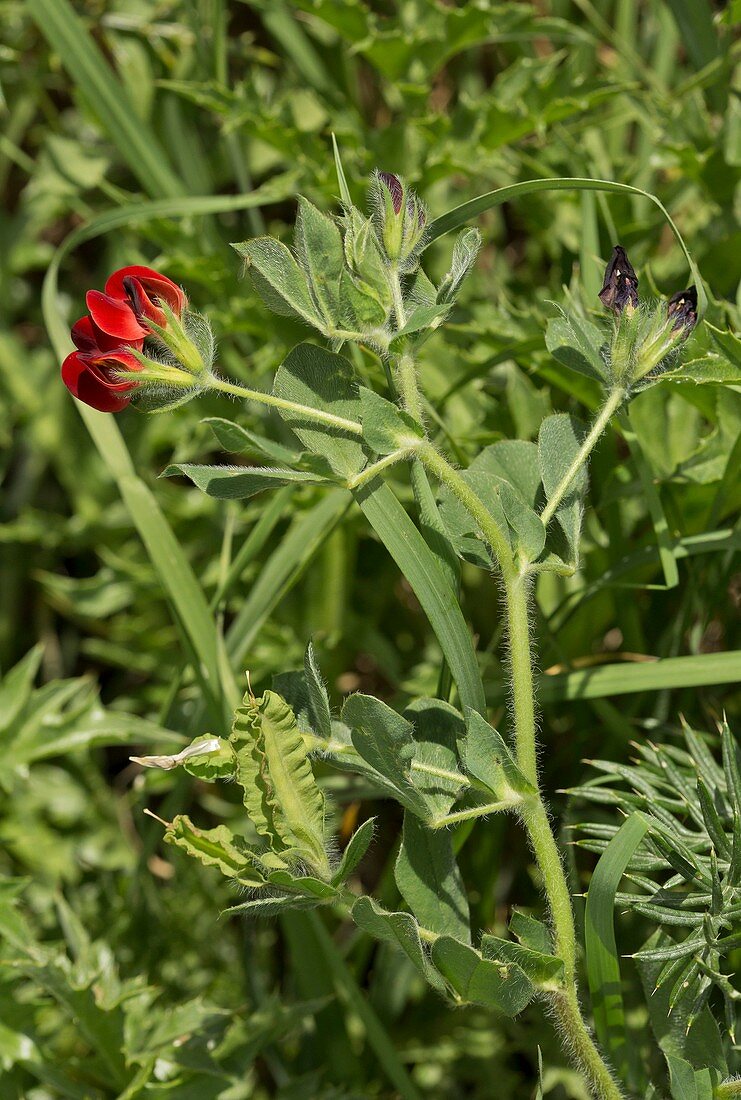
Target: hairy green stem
{"type": "Point", "coordinates": [332, 421]}
{"type": "Point", "coordinates": [376, 468]}
{"type": "Point", "coordinates": [438, 465]}
{"type": "Point", "coordinates": [614, 400]}
{"type": "Point", "coordinates": [565, 1004]}
{"type": "Point", "coordinates": [533, 811]}
{"type": "Point", "coordinates": [535, 819]}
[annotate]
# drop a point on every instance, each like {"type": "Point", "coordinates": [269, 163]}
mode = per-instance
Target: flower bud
{"type": "Point", "coordinates": [620, 286]}
{"type": "Point", "coordinates": [681, 310]}
{"type": "Point", "coordinates": [400, 217]}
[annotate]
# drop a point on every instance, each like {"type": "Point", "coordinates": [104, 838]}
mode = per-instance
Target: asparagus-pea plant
{"type": "Point", "coordinates": [515, 512]}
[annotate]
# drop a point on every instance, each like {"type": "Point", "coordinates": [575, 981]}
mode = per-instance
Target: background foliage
{"type": "Point", "coordinates": [119, 979]}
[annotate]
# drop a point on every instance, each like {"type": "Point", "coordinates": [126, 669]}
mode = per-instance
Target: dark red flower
{"type": "Point", "coordinates": [91, 376]}
{"type": "Point", "coordinates": [117, 323]}
{"type": "Point", "coordinates": [144, 289]}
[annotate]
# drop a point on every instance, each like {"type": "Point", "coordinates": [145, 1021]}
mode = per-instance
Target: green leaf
{"type": "Point", "coordinates": [386, 427]}
{"type": "Point", "coordinates": [356, 848]}
{"type": "Point", "coordinates": [709, 368]}
{"type": "Point", "coordinates": [559, 440]}
{"type": "Point", "coordinates": [423, 317]}
{"type": "Point", "coordinates": [576, 343]}
{"type": "Point", "coordinates": [279, 789]}
{"type": "Point", "coordinates": [318, 700]}
{"type": "Point", "coordinates": [399, 929]}
{"type": "Point", "coordinates": [603, 967]}
{"type": "Point", "coordinates": [524, 522]}
{"type": "Point", "coordinates": [384, 740]}
{"type": "Point", "coordinates": [430, 881]}
{"type": "Point", "coordinates": [545, 971]}
{"type": "Point", "coordinates": [437, 729]}
{"type": "Point", "coordinates": [504, 988]}
{"type": "Point", "coordinates": [361, 307]}
{"type": "Point", "coordinates": [238, 482]}
{"type": "Point", "coordinates": [341, 178]}
{"type": "Point", "coordinates": [688, 1083]}
{"type": "Point", "coordinates": [465, 251]}
{"type": "Point", "coordinates": [467, 211]}
{"type": "Point", "coordinates": [429, 583]}
{"type": "Point", "coordinates": [531, 932]}
{"type": "Point", "coordinates": [215, 848]}
{"type": "Point", "coordinates": [105, 95]}
{"type": "Point", "coordinates": [319, 250]}
{"type": "Point", "coordinates": [16, 686]}
{"type": "Point", "coordinates": [486, 757]}
{"type": "Point", "coordinates": [237, 439]}
{"type": "Point", "coordinates": [314, 377]}
{"type": "Point", "coordinates": [625, 678]}
{"type": "Point", "coordinates": [278, 279]}
{"type": "Point", "coordinates": [304, 538]}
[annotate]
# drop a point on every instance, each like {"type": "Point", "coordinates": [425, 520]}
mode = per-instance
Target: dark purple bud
{"type": "Point", "coordinates": [681, 309]}
{"type": "Point", "coordinates": [394, 187]}
{"type": "Point", "coordinates": [621, 282]}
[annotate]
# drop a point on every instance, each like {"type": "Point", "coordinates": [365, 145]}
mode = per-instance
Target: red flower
{"type": "Point", "coordinates": [117, 322]}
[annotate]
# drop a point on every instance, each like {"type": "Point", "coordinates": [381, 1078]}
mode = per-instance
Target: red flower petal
{"type": "Point", "coordinates": [87, 385]}
{"type": "Point", "coordinates": [154, 284]}
{"type": "Point", "coordinates": [87, 337]}
{"type": "Point", "coordinates": [114, 317]}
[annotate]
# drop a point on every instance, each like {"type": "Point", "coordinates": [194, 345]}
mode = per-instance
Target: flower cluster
{"type": "Point", "coordinates": [644, 339]}
{"type": "Point", "coordinates": [109, 337]}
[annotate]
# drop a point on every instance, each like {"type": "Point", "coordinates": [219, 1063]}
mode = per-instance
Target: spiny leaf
{"type": "Point", "coordinates": [216, 848]}
{"type": "Point", "coordinates": [279, 789]}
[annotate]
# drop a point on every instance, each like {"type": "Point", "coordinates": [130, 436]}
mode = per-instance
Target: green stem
{"type": "Point", "coordinates": [534, 814]}
{"type": "Point", "coordinates": [351, 426]}
{"type": "Point", "coordinates": [517, 585]}
{"type": "Point", "coordinates": [438, 465]}
{"type": "Point", "coordinates": [565, 1004]}
{"type": "Point", "coordinates": [405, 371]}
{"type": "Point", "coordinates": [614, 400]}
{"type": "Point", "coordinates": [377, 468]}
{"type": "Point", "coordinates": [471, 814]}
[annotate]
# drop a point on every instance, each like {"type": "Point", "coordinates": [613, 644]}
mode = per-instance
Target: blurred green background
{"type": "Point", "coordinates": [120, 981]}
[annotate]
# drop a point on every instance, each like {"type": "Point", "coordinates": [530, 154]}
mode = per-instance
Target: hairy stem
{"type": "Point", "coordinates": [332, 421]}
{"type": "Point", "coordinates": [533, 811]}
{"type": "Point", "coordinates": [438, 465]}
{"type": "Point", "coordinates": [535, 819]}
{"type": "Point", "coordinates": [613, 402]}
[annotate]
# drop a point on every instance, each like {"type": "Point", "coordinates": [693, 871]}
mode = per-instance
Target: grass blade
{"type": "Point", "coordinates": [603, 967]}
{"type": "Point", "coordinates": [306, 535]}
{"type": "Point", "coordinates": [424, 573]}
{"type": "Point", "coordinates": [464, 213]}
{"type": "Point", "coordinates": [628, 677]}
{"type": "Point", "coordinates": [105, 95]}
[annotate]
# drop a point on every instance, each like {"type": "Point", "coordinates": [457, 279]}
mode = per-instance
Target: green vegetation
{"type": "Point", "coordinates": [370, 682]}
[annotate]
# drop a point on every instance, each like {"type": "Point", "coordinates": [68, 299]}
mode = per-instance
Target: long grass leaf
{"type": "Point", "coordinates": [429, 583]}
{"type": "Point", "coordinates": [628, 677]}
{"type": "Point", "coordinates": [464, 213]}
{"type": "Point", "coordinates": [105, 95]}
{"type": "Point", "coordinates": [603, 967]}
{"type": "Point", "coordinates": [306, 535]}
